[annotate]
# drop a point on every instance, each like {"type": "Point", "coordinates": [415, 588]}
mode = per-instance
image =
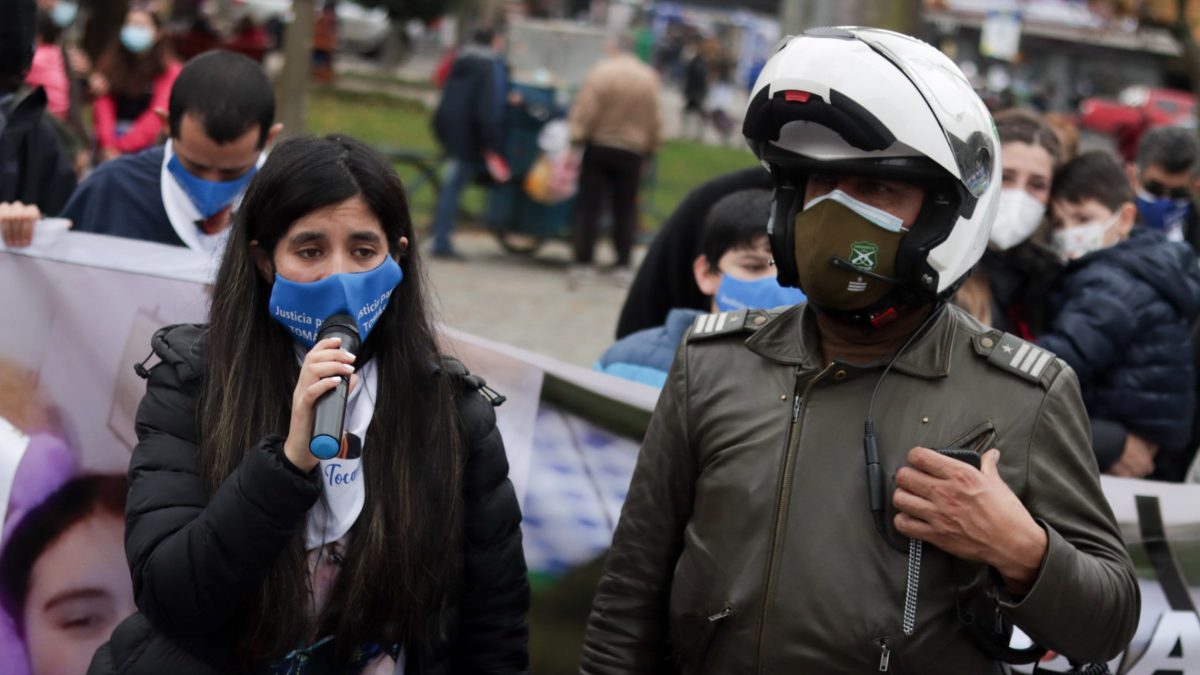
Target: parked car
{"type": "Point", "coordinates": [1137, 107]}
{"type": "Point", "coordinates": [360, 29]}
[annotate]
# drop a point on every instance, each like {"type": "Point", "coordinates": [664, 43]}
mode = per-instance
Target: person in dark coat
{"type": "Point", "coordinates": [36, 175]}
{"type": "Point", "coordinates": [255, 547]}
{"type": "Point", "coordinates": [695, 90]}
{"type": "Point", "coordinates": [1121, 319]}
{"type": "Point", "coordinates": [469, 125]}
{"type": "Point", "coordinates": [664, 281]}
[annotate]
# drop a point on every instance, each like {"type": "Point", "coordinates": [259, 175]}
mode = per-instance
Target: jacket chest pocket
{"type": "Point", "coordinates": [979, 439]}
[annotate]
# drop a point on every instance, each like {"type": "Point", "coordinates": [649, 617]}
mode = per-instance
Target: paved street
{"type": "Point", "coordinates": [524, 301]}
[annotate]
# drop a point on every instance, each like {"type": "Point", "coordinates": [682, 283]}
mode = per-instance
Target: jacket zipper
{"type": "Point", "coordinates": [710, 633]}
{"type": "Point", "coordinates": [889, 659]}
{"type": "Point", "coordinates": [784, 493]}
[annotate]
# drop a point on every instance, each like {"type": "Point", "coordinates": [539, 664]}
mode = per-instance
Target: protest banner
{"type": "Point", "coordinates": [80, 310]}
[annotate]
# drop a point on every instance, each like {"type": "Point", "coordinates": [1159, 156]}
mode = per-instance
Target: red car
{"type": "Point", "coordinates": [1137, 107]}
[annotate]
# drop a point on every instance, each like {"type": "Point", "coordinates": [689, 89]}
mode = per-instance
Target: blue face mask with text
{"type": "Point", "coordinates": [209, 196]}
{"type": "Point", "coordinates": [302, 307]}
{"type": "Point", "coordinates": [766, 293]}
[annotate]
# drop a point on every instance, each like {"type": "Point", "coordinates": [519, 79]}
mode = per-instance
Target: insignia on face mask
{"type": "Point", "coordinates": [864, 255]}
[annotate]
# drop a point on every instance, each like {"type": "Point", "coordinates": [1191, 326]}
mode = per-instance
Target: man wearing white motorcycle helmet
{"type": "Point", "coordinates": [755, 538]}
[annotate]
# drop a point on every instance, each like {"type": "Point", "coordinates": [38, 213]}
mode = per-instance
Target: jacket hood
{"type": "Point", "coordinates": [1169, 266]}
{"type": "Point", "coordinates": [181, 346]}
{"type": "Point", "coordinates": [477, 51]}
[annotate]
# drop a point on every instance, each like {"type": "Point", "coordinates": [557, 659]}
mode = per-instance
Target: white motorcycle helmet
{"type": "Point", "coordinates": [873, 102]}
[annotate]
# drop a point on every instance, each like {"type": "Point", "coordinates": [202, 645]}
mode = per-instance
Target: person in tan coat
{"type": "Point", "coordinates": [615, 121]}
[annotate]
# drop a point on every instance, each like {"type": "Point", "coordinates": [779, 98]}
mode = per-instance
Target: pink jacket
{"type": "Point", "coordinates": [50, 73]}
{"type": "Point", "coordinates": [146, 127]}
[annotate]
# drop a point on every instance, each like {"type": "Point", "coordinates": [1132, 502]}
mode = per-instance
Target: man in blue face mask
{"type": "Point", "coordinates": [734, 269]}
{"type": "Point", "coordinates": [1163, 177]}
{"type": "Point", "coordinates": [221, 116]}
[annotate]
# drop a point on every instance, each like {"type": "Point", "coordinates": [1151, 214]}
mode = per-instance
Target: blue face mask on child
{"type": "Point", "coordinates": [302, 307]}
{"type": "Point", "coordinates": [765, 293]}
{"type": "Point", "coordinates": [209, 196]}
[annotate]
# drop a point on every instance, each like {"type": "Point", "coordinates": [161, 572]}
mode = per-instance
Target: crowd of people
{"type": "Point", "coordinates": [910, 334]}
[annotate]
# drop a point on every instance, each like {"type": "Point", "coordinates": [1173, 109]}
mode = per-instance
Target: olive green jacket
{"type": "Point", "coordinates": [746, 544]}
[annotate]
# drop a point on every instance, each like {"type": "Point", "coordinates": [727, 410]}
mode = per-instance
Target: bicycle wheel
{"type": "Point", "coordinates": [519, 243]}
{"type": "Point", "coordinates": [421, 179]}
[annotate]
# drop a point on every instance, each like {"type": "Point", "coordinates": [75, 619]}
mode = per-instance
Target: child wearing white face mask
{"type": "Point", "coordinates": [1121, 318]}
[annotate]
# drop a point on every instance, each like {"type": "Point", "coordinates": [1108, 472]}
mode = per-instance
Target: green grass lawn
{"type": "Point", "coordinates": [389, 122]}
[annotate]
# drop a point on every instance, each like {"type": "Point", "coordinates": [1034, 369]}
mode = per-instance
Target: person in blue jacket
{"type": "Point", "coordinates": [734, 269]}
{"type": "Point", "coordinates": [1121, 318]}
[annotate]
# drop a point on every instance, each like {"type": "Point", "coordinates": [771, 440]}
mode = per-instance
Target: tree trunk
{"type": "Point", "coordinates": [795, 16]}
{"type": "Point", "coordinates": [1182, 30]}
{"type": "Point", "coordinates": [291, 92]}
{"type": "Point", "coordinates": [903, 16]}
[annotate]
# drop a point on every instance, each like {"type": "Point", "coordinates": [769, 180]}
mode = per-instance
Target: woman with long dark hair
{"type": "Point", "coordinates": [400, 554]}
{"type": "Point", "coordinates": [132, 83]}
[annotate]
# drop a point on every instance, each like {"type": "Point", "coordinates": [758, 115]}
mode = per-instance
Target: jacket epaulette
{"type": "Point", "coordinates": [1018, 357]}
{"type": "Point", "coordinates": [736, 322]}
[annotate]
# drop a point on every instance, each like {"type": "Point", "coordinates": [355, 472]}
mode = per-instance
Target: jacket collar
{"type": "Point", "coordinates": [792, 338]}
{"type": "Point", "coordinates": [26, 113]}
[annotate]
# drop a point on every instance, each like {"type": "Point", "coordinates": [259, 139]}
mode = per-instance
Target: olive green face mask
{"type": "Point", "coordinates": [830, 229]}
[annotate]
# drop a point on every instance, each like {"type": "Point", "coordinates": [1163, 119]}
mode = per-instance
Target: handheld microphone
{"type": "Point", "coordinates": [843, 264]}
{"type": "Point", "coordinates": [329, 412]}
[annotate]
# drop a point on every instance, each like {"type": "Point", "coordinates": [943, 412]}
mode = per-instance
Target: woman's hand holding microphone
{"type": "Point", "coordinates": [323, 368]}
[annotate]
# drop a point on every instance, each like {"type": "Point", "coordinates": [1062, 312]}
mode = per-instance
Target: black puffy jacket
{"type": "Point", "coordinates": [194, 559]}
{"type": "Point", "coordinates": [34, 168]}
{"type": "Point", "coordinates": [1121, 320]}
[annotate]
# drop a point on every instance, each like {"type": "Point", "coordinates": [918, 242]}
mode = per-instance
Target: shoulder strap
{"type": "Point", "coordinates": [1018, 357]}
{"type": "Point", "coordinates": [737, 322]}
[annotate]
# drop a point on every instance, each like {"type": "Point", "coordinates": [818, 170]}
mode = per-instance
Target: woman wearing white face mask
{"type": "Point", "coordinates": [132, 82]}
{"type": "Point", "coordinates": [1005, 288]}
{"type": "Point", "coordinates": [1121, 319]}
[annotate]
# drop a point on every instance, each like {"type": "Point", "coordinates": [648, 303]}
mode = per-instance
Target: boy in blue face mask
{"type": "Point", "coordinates": [734, 268]}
